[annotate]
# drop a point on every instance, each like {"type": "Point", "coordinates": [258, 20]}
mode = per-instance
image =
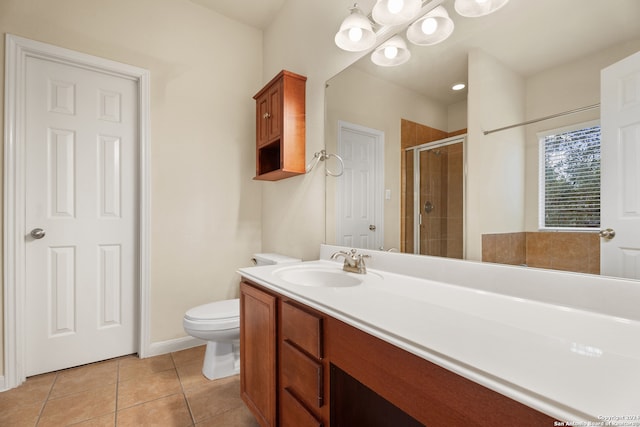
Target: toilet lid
{"type": "Point", "coordinates": [218, 310]}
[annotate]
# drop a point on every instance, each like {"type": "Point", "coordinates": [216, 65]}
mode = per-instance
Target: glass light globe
{"type": "Point", "coordinates": [481, 1]}
{"type": "Point", "coordinates": [390, 52]}
{"type": "Point", "coordinates": [395, 6]}
{"type": "Point", "coordinates": [355, 34]}
{"type": "Point", "coordinates": [429, 26]}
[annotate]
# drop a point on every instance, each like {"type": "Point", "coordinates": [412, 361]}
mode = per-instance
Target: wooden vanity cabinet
{"type": "Point", "coordinates": [282, 371]}
{"type": "Point", "coordinates": [280, 127]}
{"type": "Point", "coordinates": [302, 368]}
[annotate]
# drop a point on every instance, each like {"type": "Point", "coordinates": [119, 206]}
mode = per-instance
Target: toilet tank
{"type": "Point", "coordinates": [270, 258]}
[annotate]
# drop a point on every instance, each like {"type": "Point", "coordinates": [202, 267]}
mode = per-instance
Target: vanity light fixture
{"type": "Point", "coordinates": [430, 24]}
{"type": "Point", "coordinates": [391, 53]}
{"type": "Point", "coordinates": [356, 33]}
{"type": "Point", "coordinates": [475, 8]}
{"type": "Point", "coordinates": [432, 28]}
{"type": "Point", "coordinates": [395, 12]}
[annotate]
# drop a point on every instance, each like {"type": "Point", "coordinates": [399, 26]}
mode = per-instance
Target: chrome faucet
{"type": "Point", "coordinates": [353, 261]}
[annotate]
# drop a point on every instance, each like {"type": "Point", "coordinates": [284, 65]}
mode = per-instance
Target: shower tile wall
{"type": "Point", "coordinates": [578, 252]}
{"type": "Point", "coordinates": [411, 134]}
{"type": "Point", "coordinates": [455, 201]}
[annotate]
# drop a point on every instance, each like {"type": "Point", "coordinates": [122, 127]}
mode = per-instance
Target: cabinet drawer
{"type": "Point", "coordinates": [302, 375]}
{"type": "Point", "coordinates": [302, 328]}
{"type": "Point", "coordinates": [294, 414]}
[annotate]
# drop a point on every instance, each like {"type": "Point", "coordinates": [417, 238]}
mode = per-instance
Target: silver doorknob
{"type": "Point", "coordinates": [372, 227]}
{"type": "Point", "coordinates": [37, 233]}
{"type": "Point", "coordinates": [608, 234]}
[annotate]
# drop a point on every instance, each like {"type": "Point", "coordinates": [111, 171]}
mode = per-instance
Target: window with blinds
{"type": "Point", "coordinates": [570, 178]}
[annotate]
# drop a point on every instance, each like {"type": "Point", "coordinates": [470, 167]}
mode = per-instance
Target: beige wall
{"type": "Point", "coordinates": [359, 98]}
{"type": "Point", "coordinates": [495, 162]}
{"type": "Point", "coordinates": [301, 40]}
{"type": "Point", "coordinates": [205, 68]}
{"type": "Point", "coordinates": [567, 87]}
{"type": "Point", "coordinates": [457, 116]}
{"type": "Point", "coordinates": [494, 201]}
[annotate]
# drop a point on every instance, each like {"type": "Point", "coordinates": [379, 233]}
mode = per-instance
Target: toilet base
{"type": "Point", "coordinates": [221, 359]}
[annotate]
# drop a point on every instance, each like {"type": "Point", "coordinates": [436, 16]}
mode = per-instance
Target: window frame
{"type": "Point", "coordinates": [542, 178]}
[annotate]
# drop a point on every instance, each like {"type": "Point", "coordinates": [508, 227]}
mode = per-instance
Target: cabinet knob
{"type": "Point", "coordinates": [266, 116]}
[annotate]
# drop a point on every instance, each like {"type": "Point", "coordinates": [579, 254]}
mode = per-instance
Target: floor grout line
{"type": "Point", "coordinates": [180, 363]}
{"type": "Point", "coordinates": [46, 399]}
{"type": "Point", "coordinates": [184, 394]}
{"type": "Point", "coordinates": [115, 415]}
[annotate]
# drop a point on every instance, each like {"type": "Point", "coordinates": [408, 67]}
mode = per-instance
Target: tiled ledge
{"type": "Point", "coordinates": [567, 251]}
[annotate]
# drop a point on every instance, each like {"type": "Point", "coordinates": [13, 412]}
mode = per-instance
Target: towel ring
{"type": "Point", "coordinates": [322, 156]}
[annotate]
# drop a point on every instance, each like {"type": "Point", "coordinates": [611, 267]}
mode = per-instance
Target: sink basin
{"type": "Point", "coordinates": [318, 277]}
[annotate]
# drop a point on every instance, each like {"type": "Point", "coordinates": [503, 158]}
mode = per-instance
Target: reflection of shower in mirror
{"type": "Point", "coordinates": [435, 177]}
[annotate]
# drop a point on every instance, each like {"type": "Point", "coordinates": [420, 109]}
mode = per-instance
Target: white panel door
{"type": "Point", "coordinates": [620, 120]}
{"type": "Point", "coordinates": [81, 144]}
{"type": "Point", "coordinates": [360, 202]}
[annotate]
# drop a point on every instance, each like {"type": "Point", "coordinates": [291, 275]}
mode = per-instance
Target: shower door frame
{"type": "Point", "coordinates": [417, 209]}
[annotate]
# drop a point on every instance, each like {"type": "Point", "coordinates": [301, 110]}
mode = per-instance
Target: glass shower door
{"type": "Point", "coordinates": [439, 199]}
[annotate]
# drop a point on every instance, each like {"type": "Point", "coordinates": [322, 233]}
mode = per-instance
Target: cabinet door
{"type": "Point", "coordinates": [275, 113]}
{"type": "Point", "coordinates": [269, 114]}
{"type": "Point", "coordinates": [262, 119]}
{"type": "Point", "coordinates": [258, 353]}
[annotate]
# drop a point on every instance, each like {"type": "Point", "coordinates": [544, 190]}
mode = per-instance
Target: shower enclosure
{"type": "Point", "coordinates": [435, 214]}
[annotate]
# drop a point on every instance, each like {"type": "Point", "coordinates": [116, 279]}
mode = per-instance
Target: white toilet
{"type": "Point", "coordinates": [218, 323]}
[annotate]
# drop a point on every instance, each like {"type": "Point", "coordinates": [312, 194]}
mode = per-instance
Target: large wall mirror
{"type": "Point", "coordinates": [530, 60]}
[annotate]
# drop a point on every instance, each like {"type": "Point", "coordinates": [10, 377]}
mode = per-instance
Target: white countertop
{"type": "Point", "coordinates": [578, 366]}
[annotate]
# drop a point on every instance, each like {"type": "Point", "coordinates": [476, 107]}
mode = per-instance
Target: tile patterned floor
{"type": "Point", "coordinates": [167, 390]}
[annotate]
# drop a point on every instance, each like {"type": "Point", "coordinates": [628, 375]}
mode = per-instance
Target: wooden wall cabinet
{"type": "Point", "coordinates": [280, 127]}
{"type": "Point", "coordinates": [302, 368]}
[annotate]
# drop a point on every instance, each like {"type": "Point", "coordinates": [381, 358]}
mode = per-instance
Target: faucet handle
{"type": "Point", "coordinates": [360, 264]}
{"type": "Point", "coordinates": [363, 256]}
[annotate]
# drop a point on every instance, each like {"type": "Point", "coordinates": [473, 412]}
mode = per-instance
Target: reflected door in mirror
{"type": "Point", "coordinates": [359, 222]}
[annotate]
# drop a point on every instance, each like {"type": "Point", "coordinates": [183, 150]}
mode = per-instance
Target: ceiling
{"type": "Point", "coordinates": [255, 13]}
{"type": "Point", "coordinates": [526, 35]}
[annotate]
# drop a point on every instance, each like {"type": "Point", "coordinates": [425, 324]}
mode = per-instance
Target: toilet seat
{"type": "Point", "coordinates": [214, 316]}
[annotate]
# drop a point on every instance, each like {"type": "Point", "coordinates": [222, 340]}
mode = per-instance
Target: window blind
{"type": "Point", "coordinates": [571, 176]}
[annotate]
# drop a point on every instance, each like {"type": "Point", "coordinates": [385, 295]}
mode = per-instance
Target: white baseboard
{"type": "Point", "coordinates": [164, 347]}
